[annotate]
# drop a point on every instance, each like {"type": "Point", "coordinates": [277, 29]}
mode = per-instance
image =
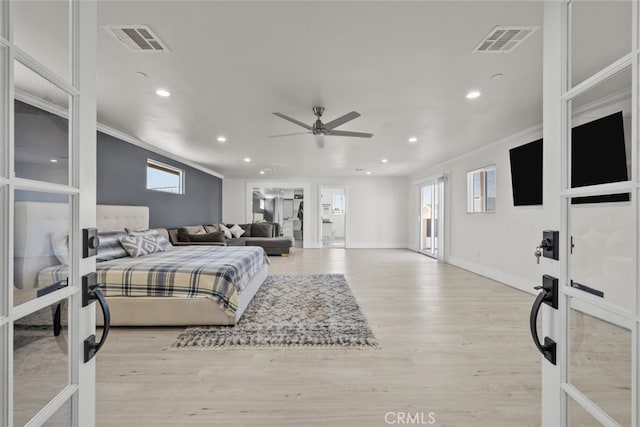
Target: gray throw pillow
{"type": "Point", "coordinates": [184, 232]}
{"type": "Point", "coordinates": [247, 229]}
{"type": "Point", "coordinates": [261, 229]}
{"type": "Point", "coordinates": [164, 242]}
{"type": "Point", "coordinates": [211, 228]}
{"type": "Point", "coordinates": [216, 236]}
{"type": "Point", "coordinates": [141, 245]}
{"type": "Point", "coordinates": [110, 247]}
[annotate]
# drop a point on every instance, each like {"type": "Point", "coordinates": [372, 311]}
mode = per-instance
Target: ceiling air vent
{"type": "Point", "coordinates": [137, 38]}
{"type": "Point", "coordinates": [504, 39]}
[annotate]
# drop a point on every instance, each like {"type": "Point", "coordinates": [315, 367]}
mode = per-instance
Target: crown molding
{"type": "Point", "coordinates": [34, 101]}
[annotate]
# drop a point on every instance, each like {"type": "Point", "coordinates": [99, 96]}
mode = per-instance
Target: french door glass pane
{"type": "Point", "coordinates": [600, 360]}
{"type": "Point", "coordinates": [41, 244]}
{"type": "Point", "coordinates": [41, 138]}
{"type": "Point", "coordinates": [602, 258]}
{"type": "Point", "coordinates": [601, 133]}
{"type": "Point", "coordinates": [4, 370]}
{"type": "Point", "coordinates": [600, 35]}
{"type": "Point", "coordinates": [40, 360]}
{"type": "Point", "coordinates": [579, 417]}
{"type": "Point", "coordinates": [62, 417]}
{"type": "Point", "coordinates": [4, 274]}
{"type": "Point", "coordinates": [41, 28]}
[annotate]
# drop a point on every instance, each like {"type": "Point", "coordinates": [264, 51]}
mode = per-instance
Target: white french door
{"type": "Point", "coordinates": [431, 218]}
{"type": "Point", "coordinates": [47, 53]}
{"type": "Point", "coordinates": [595, 327]}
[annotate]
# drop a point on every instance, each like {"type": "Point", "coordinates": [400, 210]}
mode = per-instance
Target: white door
{"type": "Point", "coordinates": [591, 196]}
{"type": "Point", "coordinates": [47, 196]}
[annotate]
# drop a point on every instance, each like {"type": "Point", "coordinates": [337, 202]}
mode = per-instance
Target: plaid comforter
{"type": "Point", "coordinates": [217, 272]}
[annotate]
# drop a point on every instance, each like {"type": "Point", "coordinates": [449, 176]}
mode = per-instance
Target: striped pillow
{"type": "Point", "coordinates": [110, 247]}
{"type": "Point", "coordinates": [141, 245]}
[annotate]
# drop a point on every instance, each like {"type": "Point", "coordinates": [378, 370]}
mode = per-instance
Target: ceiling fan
{"type": "Point", "coordinates": [320, 129]}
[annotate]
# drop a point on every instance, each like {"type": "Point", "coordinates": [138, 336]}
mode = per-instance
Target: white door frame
{"type": "Point", "coordinates": [346, 211]}
{"type": "Point", "coordinates": [80, 389]}
{"type": "Point", "coordinates": [557, 95]}
{"type": "Point", "coordinates": [443, 213]}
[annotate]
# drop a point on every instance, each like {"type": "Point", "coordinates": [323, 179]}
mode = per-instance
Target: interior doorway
{"type": "Point", "coordinates": [333, 212]}
{"type": "Point", "coordinates": [282, 206]}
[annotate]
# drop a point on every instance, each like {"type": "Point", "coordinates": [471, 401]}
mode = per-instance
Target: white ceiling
{"type": "Point", "coordinates": [405, 66]}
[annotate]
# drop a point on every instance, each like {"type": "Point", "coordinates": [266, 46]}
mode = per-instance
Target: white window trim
{"type": "Point", "coordinates": [167, 168]}
{"type": "Point", "coordinates": [470, 200]}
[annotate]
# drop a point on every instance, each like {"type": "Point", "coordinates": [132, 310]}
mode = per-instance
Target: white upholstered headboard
{"type": "Point", "coordinates": [119, 217]}
{"type": "Point", "coordinates": [36, 221]}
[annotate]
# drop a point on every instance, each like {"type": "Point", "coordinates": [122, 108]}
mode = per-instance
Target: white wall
{"type": "Point", "coordinates": [376, 216]}
{"type": "Point", "coordinates": [499, 245]}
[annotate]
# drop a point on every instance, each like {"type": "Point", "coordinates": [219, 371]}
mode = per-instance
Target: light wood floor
{"type": "Point", "coordinates": [451, 342]}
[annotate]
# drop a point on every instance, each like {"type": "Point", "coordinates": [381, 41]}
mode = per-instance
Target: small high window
{"type": "Point", "coordinates": [162, 177]}
{"type": "Point", "coordinates": [481, 190]}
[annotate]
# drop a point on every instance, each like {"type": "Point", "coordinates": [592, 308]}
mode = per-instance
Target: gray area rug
{"type": "Point", "coordinates": [301, 310]}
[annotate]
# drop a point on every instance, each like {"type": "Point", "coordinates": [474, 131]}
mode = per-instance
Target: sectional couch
{"type": "Point", "coordinates": [264, 234]}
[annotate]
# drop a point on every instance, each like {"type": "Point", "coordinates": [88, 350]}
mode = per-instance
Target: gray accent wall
{"type": "Point", "coordinates": [122, 178]}
{"type": "Point", "coordinates": [122, 172]}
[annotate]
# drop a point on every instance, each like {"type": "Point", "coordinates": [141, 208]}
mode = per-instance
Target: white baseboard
{"type": "Point", "coordinates": [385, 245]}
{"type": "Point", "coordinates": [518, 282]}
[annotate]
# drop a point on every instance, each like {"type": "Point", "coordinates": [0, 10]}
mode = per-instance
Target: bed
{"type": "Point", "coordinates": [199, 285]}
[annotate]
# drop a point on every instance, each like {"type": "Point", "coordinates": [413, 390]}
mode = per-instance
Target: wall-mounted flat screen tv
{"type": "Point", "coordinates": [598, 156]}
{"type": "Point", "coordinates": [526, 174]}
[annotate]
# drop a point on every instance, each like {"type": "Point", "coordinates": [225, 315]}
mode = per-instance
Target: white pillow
{"type": "Point", "coordinates": [236, 230]}
{"type": "Point", "coordinates": [60, 245]}
{"type": "Point", "coordinates": [227, 232]}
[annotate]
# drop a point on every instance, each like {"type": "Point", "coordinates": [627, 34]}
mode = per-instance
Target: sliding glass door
{"type": "Point", "coordinates": [430, 214]}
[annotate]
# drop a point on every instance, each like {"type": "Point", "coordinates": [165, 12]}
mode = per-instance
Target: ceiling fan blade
{"type": "Point", "coordinates": [292, 120]}
{"type": "Point", "coordinates": [347, 133]}
{"type": "Point", "coordinates": [342, 120]}
{"type": "Point", "coordinates": [288, 134]}
{"type": "Point", "coordinates": [320, 141]}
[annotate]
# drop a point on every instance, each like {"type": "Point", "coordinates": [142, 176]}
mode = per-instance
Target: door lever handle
{"type": "Point", "coordinates": [91, 347]}
{"type": "Point", "coordinates": [549, 295]}
{"type": "Point", "coordinates": [90, 293]}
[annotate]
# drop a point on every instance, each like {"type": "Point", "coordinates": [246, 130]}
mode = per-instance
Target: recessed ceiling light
{"type": "Point", "coordinates": [497, 76]}
{"type": "Point", "coordinates": [261, 172]}
{"type": "Point", "coordinates": [473, 94]}
{"type": "Point", "coordinates": [141, 74]}
{"type": "Point", "coordinates": [222, 139]}
{"type": "Point", "coordinates": [413, 139]}
{"type": "Point", "coordinates": [368, 172]}
{"type": "Point", "coordinates": [53, 160]}
{"type": "Point", "coordinates": [384, 161]}
{"type": "Point", "coordinates": [247, 159]}
{"type": "Point", "coordinates": [163, 92]}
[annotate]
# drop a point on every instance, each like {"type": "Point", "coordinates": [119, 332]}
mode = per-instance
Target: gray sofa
{"type": "Point", "coordinates": [266, 235]}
